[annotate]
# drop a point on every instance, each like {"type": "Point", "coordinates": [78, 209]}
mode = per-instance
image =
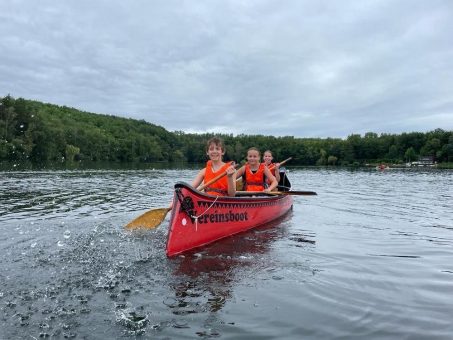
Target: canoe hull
{"type": "Point", "coordinates": [198, 219]}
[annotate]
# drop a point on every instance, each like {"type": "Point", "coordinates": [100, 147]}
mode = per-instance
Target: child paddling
{"type": "Point", "coordinates": [255, 174]}
{"type": "Point", "coordinates": [225, 186]}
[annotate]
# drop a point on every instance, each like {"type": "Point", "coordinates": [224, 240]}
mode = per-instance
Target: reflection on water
{"type": "Point", "coordinates": [370, 257]}
{"type": "Point", "coordinates": [87, 165]}
{"type": "Point", "coordinates": [211, 272]}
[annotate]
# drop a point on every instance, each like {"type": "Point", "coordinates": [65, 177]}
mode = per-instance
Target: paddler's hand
{"type": "Point", "coordinates": [230, 170]}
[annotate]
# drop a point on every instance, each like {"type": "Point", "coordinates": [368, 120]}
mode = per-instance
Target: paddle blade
{"type": "Point", "coordinates": [150, 219]}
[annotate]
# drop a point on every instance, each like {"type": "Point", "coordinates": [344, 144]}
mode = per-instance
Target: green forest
{"type": "Point", "coordinates": [39, 132]}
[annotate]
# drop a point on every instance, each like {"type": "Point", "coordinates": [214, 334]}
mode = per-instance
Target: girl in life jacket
{"type": "Point", "coordinates": [273, 167]}
{"type": "Point", "coordinates": [225, 186]}
{"type": "Point", "coordinates": [254, 173]}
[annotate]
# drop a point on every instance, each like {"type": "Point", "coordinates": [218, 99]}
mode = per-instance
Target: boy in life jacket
{"type": "Point", "coordinates": [254, 173]}
{"type": "Point", "coordinates": [225, 186]}
{"type": "Point", "coordinates": [273, 167]}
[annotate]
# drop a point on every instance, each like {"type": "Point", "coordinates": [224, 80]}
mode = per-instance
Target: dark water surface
{"type": "Point", "coordinates": [370, 257]}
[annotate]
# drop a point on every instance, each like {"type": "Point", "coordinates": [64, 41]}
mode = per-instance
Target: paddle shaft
{"type": "Point", "coordinates": [152, 218]}
{"type": "Point", "coordinates": [215, 179]}
{"type": "Point", "coordinates": [281, 163]}
{"type": "Point", "coordinates": [297, 193]}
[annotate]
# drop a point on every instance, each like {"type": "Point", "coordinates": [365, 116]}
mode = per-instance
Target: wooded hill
{"type": "Point", "coordinates": [39, 132]}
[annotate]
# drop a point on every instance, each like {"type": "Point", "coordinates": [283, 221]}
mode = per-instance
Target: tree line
{"type": "Point", "coordinates": [40, 132]}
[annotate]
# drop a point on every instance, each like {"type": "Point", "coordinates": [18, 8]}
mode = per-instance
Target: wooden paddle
{"type": "Point", "coordinates": [152, 218]}
{"type": "Point", "coordinates": [296, 193]}
{"type": "Point", "coordinates": [239, 180]}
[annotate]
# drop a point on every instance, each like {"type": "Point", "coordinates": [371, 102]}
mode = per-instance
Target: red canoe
{"type": "Point", "coordinates": [198, 219]}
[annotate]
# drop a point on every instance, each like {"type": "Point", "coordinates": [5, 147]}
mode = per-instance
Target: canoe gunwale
{"type": "Point", "coordinates": [240, 196]}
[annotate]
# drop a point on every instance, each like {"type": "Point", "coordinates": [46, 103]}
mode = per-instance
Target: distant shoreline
{"type": "Point", "coordinates": [31, 131]}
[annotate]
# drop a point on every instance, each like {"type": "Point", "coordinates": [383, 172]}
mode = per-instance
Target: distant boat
{"type": "Point", "coordinates": [382, 167]}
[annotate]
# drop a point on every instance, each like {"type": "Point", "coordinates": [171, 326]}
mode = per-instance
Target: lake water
{"type": "Point", "coordinates": [370, 257]}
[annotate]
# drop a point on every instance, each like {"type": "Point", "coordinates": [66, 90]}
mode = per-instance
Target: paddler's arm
{"type": "Point", "coordinates": [200, 176]}
{"type": "Point", "coordinates": [277, 172]}
{"type": "Point", "coordinates": [231, 180]}
{"type": "Point", "coordinates": [271, 177]}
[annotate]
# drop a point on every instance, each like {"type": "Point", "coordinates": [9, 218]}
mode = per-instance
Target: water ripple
{"type": "Point", "coordinates": [369, 257]}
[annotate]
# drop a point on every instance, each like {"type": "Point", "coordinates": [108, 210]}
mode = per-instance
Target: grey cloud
{"type": "Point", "coordinates": [302, 68]}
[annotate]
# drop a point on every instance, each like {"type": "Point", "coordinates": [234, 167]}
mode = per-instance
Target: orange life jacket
{"type": "Point", "coordinates": [254, 181]}
{"type": "Point", "coordinates": [220, 187]}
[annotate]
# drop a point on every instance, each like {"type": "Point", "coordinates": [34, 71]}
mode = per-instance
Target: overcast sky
{"type": "Point", "coordinates": [299, 68]}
